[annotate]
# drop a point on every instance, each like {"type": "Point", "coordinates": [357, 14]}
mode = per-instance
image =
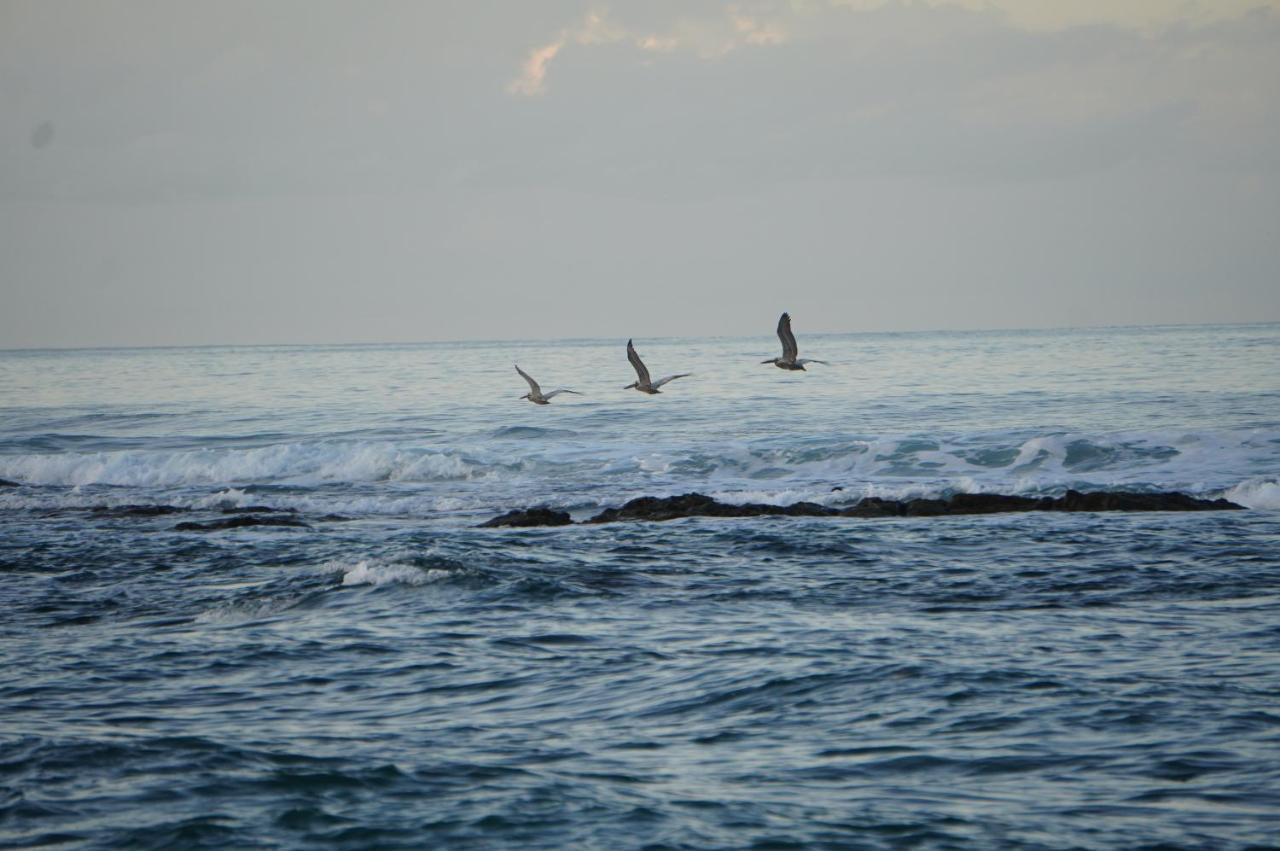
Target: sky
{"type": "Point", "coordinates": [301, 171]}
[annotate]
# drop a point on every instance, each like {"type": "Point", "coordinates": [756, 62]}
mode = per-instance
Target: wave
{"type": "Point", "coordinates": [303, 463]}
{"type": "Point", "coordinates": [385, 478]}
{"type": "Point", "coordinates": [531, 432]}
{"type": "Point", "coordinates": [373, 573]}
{"type": "Point", "coordinates": [1262, 495]}
{"type": "Point", "coordinates": [418, 570]}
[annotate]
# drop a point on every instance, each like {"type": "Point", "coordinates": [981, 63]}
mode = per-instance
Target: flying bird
{"type": "Point", "coordinates": [644, 384]}
{"type": "Point", "coordinates": [789, 350]}
{"type": "Point", "coordinates": [535, 394]}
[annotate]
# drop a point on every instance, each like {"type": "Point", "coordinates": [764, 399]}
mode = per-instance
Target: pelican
{"type": "Point", "coordinates": [644, 384]}
{"type": "Point", "coordinates": [789, 350]}
{"type": "Point", "coordinates": [535, 394]}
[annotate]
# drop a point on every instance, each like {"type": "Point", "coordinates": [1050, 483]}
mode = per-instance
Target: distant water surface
{"type": "Point", "coordinates": [388, 675]}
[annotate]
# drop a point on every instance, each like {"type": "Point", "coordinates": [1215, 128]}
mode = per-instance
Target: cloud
{"type": "Point", "coordinates": [658, 43]}
{"type": "Point", "coordinates": [712, 30]}
{"type": "Point", "coordinates": [1052, 15]}
{"type": "Point", "coordinates": [752, 31]}
{"type": "Point", "coordinates": [533, 74]}
{"type": "Point", "coordinates": [594, 29]}
{"type": "Point", "coordinates": [707, 37]}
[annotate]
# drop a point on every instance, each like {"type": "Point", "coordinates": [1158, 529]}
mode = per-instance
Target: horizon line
{"type": "Point", "coordinates": [522, 340]}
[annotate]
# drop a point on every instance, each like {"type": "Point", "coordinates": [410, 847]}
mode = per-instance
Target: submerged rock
{"type": "Point", "coordinates": [136, 510]}
{"type": "Point", "coordinates": [654, 508]}
{"type": "Point", "coordinates": [259, 509]}
{"type": "Point", "coordinates": [238, 522]}
{"type": "Point", "coordinates": [530, 517]}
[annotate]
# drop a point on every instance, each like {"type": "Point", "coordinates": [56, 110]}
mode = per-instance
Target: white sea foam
{"type": "Point", "coordinates": [383, 478]}
{"type": "Point", "coordinates": [374, 573]}
{"type": "Point", "coordinates": [304, 463]}
{"type": "Point", "coordinates": [1260, 494]}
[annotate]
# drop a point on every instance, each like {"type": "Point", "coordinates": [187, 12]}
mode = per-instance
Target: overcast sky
{"type": "Point", "coordinates": [250, 172]}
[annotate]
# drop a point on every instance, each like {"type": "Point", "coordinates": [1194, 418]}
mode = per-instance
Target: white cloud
{"type": "Point", "coordinates": [533, 74]}
{"type": "Point", "coordinates": [1048, 15]}
{"type": "Point", "coordinates": [594, 29]}
{"type": "Point", "coordinates": [705, 36]}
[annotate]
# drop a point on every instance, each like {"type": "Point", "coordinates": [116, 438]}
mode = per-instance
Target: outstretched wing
{"type": "Point", "coordinates": [662, 381]}
{"type": "Point", "coordinates": [533, 385]}
{"type": "Point", "coordinates": [637, 363]}
{"type": "Point", "coordinates": [803, 361]}
{"type": "Point", "coordinates": [554, 393]}
{"type": "Point", "coordinates": [789, 349]}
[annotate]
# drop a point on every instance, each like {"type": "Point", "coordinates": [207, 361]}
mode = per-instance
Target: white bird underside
{"type": "Point", "coordinates": [643, 382]}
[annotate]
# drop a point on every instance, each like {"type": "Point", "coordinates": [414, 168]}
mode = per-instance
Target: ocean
{"type": "Point", "coordinates": [380, 672]}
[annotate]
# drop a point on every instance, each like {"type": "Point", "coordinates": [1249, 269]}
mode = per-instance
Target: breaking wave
{"type": "Point", "coordinates": [384, 478]}
{"type": "Point", "coordinates": [302, 463]}
{"type": "Point", "coordinates": [1263, 495]}
{"type": "Point", "coordinates": [374, 573]}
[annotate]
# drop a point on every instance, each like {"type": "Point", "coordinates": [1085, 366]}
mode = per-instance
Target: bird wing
{"type": "Point", "coordinates": [664, 380]}
{"type": "Point", "coordinates": [803, 361]}
{"type": "Point", "coordinates": [533, 385]}
{"type": "Point", "coordinates": [554, 393]}
{"type": "Point", "coordinates": [789, 349]}
{"type": "Point", "coordinates": [637, 363]}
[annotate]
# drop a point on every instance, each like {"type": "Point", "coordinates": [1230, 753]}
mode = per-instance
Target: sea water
{"type": "Point", "coordinates": [384, 673]}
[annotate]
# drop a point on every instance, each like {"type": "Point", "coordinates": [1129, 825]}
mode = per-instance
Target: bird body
{"type": "Point", "coordinates": [643, 383]}
{"type": "Point", "coordinates": [535, 394]}
{"type": "Point", "coordinates": [790, 352]}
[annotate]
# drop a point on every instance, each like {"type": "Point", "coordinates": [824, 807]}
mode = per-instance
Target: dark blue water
{"type": "Point", "coordinates": [388, 675]}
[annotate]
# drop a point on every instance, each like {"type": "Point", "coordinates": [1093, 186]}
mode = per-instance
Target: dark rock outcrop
{"type": "Point", "coordinates": [653, 508]}
{"type": "Point", "coordinates": [699, 505]}
{"type": "Point", "coordinates": [259, 509]}
{"type": "Point", "coordinates": [1122, 501]}
{"type": "Point", "coordinates": [995, 503]}
{"type": "Point", "coordinates": [531, 517]}
{"type": "Point", "coordinates": [239, 521]}
{"type": "Point", "coordinates": [5, 483]}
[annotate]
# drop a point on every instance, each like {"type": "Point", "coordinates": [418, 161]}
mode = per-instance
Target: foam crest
{"type": "Point", "coordinates": [1259, 494]}
{"type": "Point", "coordinates": [304, 463]}
{"type": "Point", "coordinates": [370, 478]}
{"type": "Point", "coordinates": [373, 573]}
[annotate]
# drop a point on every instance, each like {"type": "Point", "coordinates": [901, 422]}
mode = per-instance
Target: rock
{"type": "Point", "coordinates": [699, 505]}
{"type": "Point", "coordinates": [995, 503]}
{"type": "Point", "coordinates": [927, 507]}
{"type": "Point", "coordinates": [5, 483]}
{"type": "Point", "coordinates": [653, 508]}
{"type": "Point", "coordinates": [259, 509]}
{"type": "Point", "coordinates": [992, 503]}
{"type": "Point", "coordinates": [238, 522]}
{"type": "Point", "coordinates": [1123, 501]}
{"type": "Point", "coordinates": [874, 506]}
{"type": "Point", "coordinates": [530, 517]}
